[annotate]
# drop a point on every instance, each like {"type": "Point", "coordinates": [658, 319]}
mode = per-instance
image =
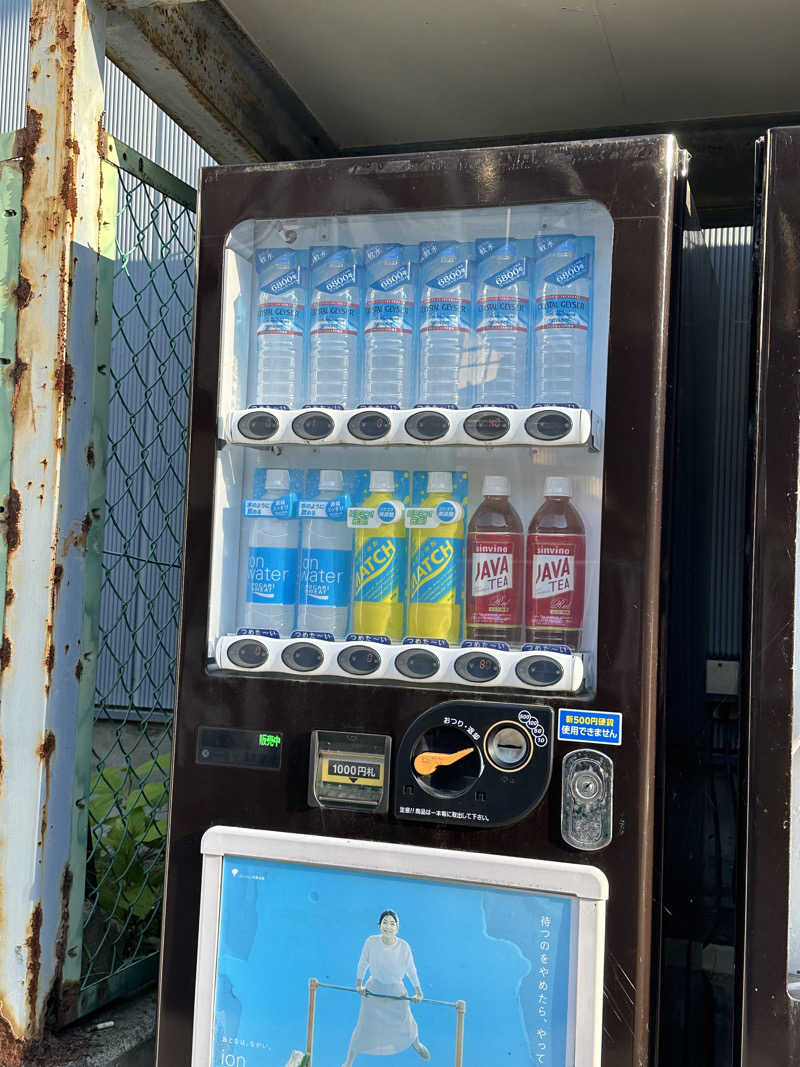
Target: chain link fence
{"type": "Point", "coordinates": [146, 454]}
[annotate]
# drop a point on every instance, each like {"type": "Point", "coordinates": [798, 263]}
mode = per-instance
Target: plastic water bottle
{"type": "Point", "coordinates": [389, 311]}
{"type": "Point", "coordinates": [445, 321]}
{"type": "Point", "coordinates": [268, 558]}
{"type": "Point", "coordinates": [326, 559]}
{"type": "Point", "coordinates": [502, 322]}
{"type": "Point", "coordinates": [563, 318]}
{"type": "Point", "coordinates": [281, 329]}
{"type": "Point", "coordinates": [335, 326]}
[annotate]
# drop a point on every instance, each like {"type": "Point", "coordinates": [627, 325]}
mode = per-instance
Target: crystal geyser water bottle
{"type": "Point", "coordinates": [380, 563]}
{"type": "Point", "coordinates": [445, 322]}
{"type": "Point", "coordinates": [555, 569]}
{"type": "Point", "coordinates": [435, 574]}
{"type": "Point", "coordinates": [281, 328]}
{"type": "Point", "coordinates": [389, 313]}
{"type": "Point", "coordinates": [334, 326]}
{"type": "Point", "coordinates": [268, 558]}
{"type": "Point", "coordinates": [326, 559]}
{"type": "Point", "coordinates": [562, 323]}
{"type": "Point", "coordinates": [502, 321]}
{"type": "Point", "coordinates": [495, 566]}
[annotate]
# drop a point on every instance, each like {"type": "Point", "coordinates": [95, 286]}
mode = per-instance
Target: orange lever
{"type": "Point", "coordinates": [428, 762]}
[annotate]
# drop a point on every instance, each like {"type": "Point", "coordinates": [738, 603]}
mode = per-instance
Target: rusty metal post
{"type": "Point", "coordinates": [47, 511]}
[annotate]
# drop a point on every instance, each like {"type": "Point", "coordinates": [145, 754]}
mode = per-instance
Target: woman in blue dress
{"type": "Point", "coordinates": [385, 1024]}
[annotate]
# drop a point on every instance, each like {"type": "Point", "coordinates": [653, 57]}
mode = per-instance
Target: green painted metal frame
{"type": "Point", "coordinates": [75, 1001]}
{"type": "Point", "coordinates": [78, 1000]}
{"type": "Point", "coordinates": [128, 159]}
{"type": "Point", "coordinates": [10, 227]}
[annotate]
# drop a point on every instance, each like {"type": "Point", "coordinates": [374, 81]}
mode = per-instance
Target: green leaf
{"type": "Point", "coordinates": [151, 794]}
{"type": "Point", "coordinates": [161, 764]}
{"type": "Point", "coordinates": [156, 833]}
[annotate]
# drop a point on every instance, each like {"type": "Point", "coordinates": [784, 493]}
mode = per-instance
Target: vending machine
{"type": "Point", "coordinates": [768, 1029]}
{"type": "Point", "coordinates": [421, 679]}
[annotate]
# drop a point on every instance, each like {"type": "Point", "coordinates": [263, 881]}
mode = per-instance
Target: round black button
{"type": "Point", "coordinates": [548, 425]}
{"type": "Point", "coordinates": [313, 425]}
{"type": "Point", "coordinates": [360, 659]}
{"type": "Point", "coordinates": [302, 656]}
{"type": "Point", "coordinates": [477, 667]}
{"type": "Point", "coordinates": [486, 425]}
{"type": "Point", "coordinates": [369, 425]}
{"type": "Point", "coordinates": [248, 653]}
{"type": "Point", "coordinates": [427, 425]}
{"type": "Point", "coordinates": [539, 670]}
{"type": "Point", "coordinates": [258, 425]}
{"type": "Point", "coordinates": [417, 663]}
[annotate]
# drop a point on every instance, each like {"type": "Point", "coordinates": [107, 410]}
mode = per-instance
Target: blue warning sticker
{"type": "Point", "coordinates": [596, 727]}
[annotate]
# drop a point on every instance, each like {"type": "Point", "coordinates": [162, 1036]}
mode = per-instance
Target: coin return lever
{"type": "Point", "coordinates": [349, 771]}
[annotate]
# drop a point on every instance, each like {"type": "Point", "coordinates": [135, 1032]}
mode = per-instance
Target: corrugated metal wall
{"type": "Point", "coordinates": [730, 248]}
{"type": "Point", "coordinates": [130, 115]}
{"type": "Point", "coordinates": [13, 62]}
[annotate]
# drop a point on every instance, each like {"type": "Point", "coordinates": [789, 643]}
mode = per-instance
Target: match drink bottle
{"type": "Point", "coordinates": [495, 566]}
{"type": "Point", "coordinates": [555, 569]}
{"type": "Point", "coordinates": [435, 571]}
{"type": "Point", "coordinates": [380, 564]}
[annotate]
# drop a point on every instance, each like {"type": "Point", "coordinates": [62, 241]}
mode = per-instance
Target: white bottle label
{"type": "Point", "coordinates": [553, 575]}
{"type": "Point", "coordinates": [492, 571]}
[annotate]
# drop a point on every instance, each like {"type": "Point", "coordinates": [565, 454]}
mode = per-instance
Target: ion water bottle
{"type": "Point", "coordinates": [380, 564]}
{"type": "Point", "coordinates": [445, 322]}
{"type": "Point", "coordinates": [502, 322]}
{"type": "Point", "coordinates": [389, 313]}
{"type": "Point", "coordinates": [326, 559]}
{"type": "Point", "coordinates": [563, 316]}
{"type": "Point", "coordinates": [435, 572]}
{"type": "Point", "coordinates": [335, 326]}
{"type": "Point", "coordinates": [268, 558]}
{"type": "Point", "coordinates": [281, 329]}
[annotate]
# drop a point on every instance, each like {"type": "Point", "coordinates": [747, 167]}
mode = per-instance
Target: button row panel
{"type": "Point", "coordinates": [538, 670]}
{"type": "Point", "coordinates": [419, 426]}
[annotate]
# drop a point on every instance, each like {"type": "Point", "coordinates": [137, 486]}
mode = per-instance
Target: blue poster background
{"type": "Point", "coordinates": [505, 953]}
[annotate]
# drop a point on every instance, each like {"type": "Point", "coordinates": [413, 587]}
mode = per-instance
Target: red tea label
{"type": "Point", "coordinates": [556, 581]}
{"type": "Point", "coordinates": [495, 579]}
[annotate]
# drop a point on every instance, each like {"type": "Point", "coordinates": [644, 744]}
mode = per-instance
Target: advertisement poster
{"type": "Point", "coordinates": [374, 965]}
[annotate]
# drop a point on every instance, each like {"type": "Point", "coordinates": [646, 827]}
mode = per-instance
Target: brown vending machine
{"type": "Point", "coordinates": [423, 610]}
{"type": "Point", "coordinates": [769, 942]}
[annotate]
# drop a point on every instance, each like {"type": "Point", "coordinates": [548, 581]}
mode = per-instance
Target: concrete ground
{"type": "Point", "coordinates": [130, 1042]}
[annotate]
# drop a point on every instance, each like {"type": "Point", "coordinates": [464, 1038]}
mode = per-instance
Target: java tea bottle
{"type": "Point", "coordinates": [555, 569]}
{"type": "Point", "coordinates": [495, 569]}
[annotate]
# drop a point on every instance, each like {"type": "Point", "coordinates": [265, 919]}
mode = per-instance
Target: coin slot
{"type": "Point", "coordinates": [548, 425]}
{"type": "Point", "coordinates": [417, 663]}
{"type": "Point", "coordinates": [313, 425]}
{"type": "Point", "coordinates": [248, 653]}
{"type": "Point", "coordinates": [258, 425]}
{"type": "Point", "coordinates": [361, 659]}
{"type": "Point", "coordinates": [302, 656]}
{"type": "Point", "coordinates": [369, 425]}
{"type": "Point", "coordinates": [427, 425]}
{"type": "Point", "coordinates": [508, 746]}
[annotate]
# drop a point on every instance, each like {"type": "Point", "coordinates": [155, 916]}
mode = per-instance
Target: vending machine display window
{"type": "Point", "coordinates": [409, 481]}
{"type": "Point", "coordinates": [311, 953]}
